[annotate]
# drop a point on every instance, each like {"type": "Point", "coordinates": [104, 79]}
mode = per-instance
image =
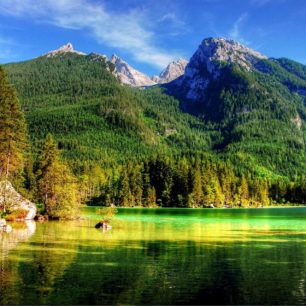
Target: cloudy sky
{"type": "Point", "coordinates": [150, 33]}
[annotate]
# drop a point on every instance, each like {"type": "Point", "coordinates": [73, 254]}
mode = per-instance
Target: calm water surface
{"type": "Point", "coordinates": [159, 256]}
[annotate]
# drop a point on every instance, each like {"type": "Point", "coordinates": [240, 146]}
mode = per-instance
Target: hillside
{"type": "Point", "coordinates": [94, 117]}
{"type": "Point", "coordinates": [258, 103]}
{"type": "Point", "coordinates": [231, 128]}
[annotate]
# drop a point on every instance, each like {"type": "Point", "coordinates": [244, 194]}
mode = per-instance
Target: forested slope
{"type": "Point", "coordinates": [137, 147]}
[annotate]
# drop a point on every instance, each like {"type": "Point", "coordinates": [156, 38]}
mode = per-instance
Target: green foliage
{"type": "Point", "coordinates": [58, 188]}
{"type": "Point", "coordinates": [130, 147]}
{"type": "Point", "coordinates": [202, 182]}
{"type": "Point", "coordinates": [13, 137]}
{"type": "Point", "coordinates": [107, 213]}
{"type": "Point", "coordinates": [95, 118]}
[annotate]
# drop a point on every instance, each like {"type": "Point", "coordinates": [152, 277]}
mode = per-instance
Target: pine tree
{"type": "Point", "coordinates": [13, 132]}
{"type": "Point", "coordinates": [151, 197]}
{"type": "Point", "coordinates": [243, 192]}
{"type": "Point", "coordinates": [57, 185]}
{"type": "Point", "coordinates": [218, 194]}
{"type": "Point", "coordinates": [125, 195]}
{"type": "Point", "coordinates": [196, 198]}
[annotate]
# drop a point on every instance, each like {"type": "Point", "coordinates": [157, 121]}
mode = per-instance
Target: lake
{"type": "Point", "coordinates": [159, 256]}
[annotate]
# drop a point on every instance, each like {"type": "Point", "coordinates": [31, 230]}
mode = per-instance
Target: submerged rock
{"type": "Point", "coordinates": [16, 201]}
{"type": "Point", "coordinates": [103, 225]}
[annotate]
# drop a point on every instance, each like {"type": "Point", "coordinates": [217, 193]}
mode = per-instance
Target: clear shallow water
{"type": "Point", "coordinates": [159, 256]}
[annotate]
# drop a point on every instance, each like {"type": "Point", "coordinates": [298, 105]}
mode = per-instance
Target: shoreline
{"type": "Point", "coordinates": [206, 208]}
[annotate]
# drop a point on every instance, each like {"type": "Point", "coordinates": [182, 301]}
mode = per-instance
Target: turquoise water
{"type": "Point", "coordinates": [159, 256]}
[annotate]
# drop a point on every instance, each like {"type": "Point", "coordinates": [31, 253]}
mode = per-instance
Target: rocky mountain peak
{"type": "Point", "coordinates": [115, 58]}
{"type": "Point", "coordinates": [214, 51]}
{"type": "Point", "coordinates": [207, 62]}
{"type": "Point", "coordinates": [174, 70]}
{"type": "Point", "coordinates": [67, 48]}
{"type": "Point", "coordinates": [128, 75]}
{"type": "Point", "coordinates": [232, 51]}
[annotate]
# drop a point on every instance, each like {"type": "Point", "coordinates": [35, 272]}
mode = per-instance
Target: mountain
{"type": "Point", "coordinates": [68, 48]}
{"type": "Point", "coordinates": [128, 75]}
{"type": "Point", "coordinates": [95, 118]}
{"type": "Point", "coordinates": [125, 73]}
{"type": "Point", "coordinates": [257, 103]}
{"type": "Point", "coordinates": [231, 102]}
{"type": "Point", "coordinates": [230, 130]}
{"type": "Point", "coordinates": [208, 61]}
{"type": "Point", "coordinates": [171, 72]}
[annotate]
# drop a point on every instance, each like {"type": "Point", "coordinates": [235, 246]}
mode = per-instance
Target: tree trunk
{"type": "Point", "coordinates": [7, 172]}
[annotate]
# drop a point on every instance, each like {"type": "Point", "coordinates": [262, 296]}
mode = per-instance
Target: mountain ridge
{"type": "Point", "coordinates": [124, 72]}
{"type": "Point", "coordinates": [250, 105]}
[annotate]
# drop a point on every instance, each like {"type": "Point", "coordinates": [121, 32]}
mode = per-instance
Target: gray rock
{"type": "Point", "coordinates": [16, 200]}
{"type": "Point", "coordinates": [206, 63]}
{"type": "Point", "coordinates": [172, 72]}
{"type": "Point", "coordinates": [68, 48]}
{"type": "Point", "coordinates": [128, 75]}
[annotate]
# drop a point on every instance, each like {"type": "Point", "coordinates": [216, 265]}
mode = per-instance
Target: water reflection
{"type": "Point", "coordinates": [162, 258]}
{"type": "Point", "coordinates": [22, 231]}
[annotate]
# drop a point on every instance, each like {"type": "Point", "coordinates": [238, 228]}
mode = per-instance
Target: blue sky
{"type": "Point", "coordinates": [147, 33]}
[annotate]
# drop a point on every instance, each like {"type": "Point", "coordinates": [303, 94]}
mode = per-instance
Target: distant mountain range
{"type": "Point", "coordinates": [126, 73]}
{"type": "Point", "coordinates": [228, 100]}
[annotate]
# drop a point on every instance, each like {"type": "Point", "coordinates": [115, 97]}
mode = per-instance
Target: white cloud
{"type": "Point", "coordinates": [235, 32]}
{"type": "Point", "coordinates": [173, 20]}
{"type": "Point", "coordinates": [125, 31]}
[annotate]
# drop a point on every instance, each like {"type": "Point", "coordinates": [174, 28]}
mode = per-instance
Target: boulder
{"type": "Point", "coordinates": [103, 225]}
{"type": "Point", "coordinates": [16, 201]}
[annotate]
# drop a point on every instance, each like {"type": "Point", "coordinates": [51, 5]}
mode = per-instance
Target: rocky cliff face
{"type": "Point", "coordinates": [10, 197]}
{"type": "Point", "coordinates": [172, 72]}
{"type": "Point", "coordinates": [68, 48]}
{"type": "Point", "coordinates": [128, 75]}
{"type": "Point", "coordinates": [206, 64]}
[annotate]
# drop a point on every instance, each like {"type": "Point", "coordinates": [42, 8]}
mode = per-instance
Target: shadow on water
{"type": "Point", "coordinates": [182, 273]}
{"type": "Point", "coordinates": [164, 258]}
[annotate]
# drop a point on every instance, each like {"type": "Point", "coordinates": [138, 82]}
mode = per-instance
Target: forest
{"type": "Point", "coordinates": [72, 134]}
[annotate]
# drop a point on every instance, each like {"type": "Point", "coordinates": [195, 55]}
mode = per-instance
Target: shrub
{"type": "Point", "coordinates": [18, 214]}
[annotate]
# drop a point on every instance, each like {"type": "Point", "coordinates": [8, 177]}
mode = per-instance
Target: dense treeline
{"type": "Point", "coordinates": [198, 181]}
{"type": "Point", "coordinates": [128, 147]}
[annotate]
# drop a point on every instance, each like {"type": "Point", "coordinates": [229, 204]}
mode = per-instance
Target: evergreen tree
{"type": "Point", "coordinates": [13, 135]}
{"type": "Point", "coordinates": [57, 185]}
{"type": "Point", "coordinates": [125, 196]}
{"type": "Point", "coordinates": [196, 198]}
{"type": "Point", "coordinates": [151, 198]}
{"type": "Point", "coordinates": [243, 192]}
